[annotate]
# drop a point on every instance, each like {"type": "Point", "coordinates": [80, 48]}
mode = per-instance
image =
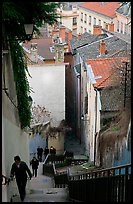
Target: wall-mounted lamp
{"type": "Point", "coordinates": [78, 76]}
{"type": "Point", "coordinates": [83, 118]}
{"type": "Point", "coordinates": [28, 31]}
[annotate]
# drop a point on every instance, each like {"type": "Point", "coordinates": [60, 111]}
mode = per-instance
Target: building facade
{"type": "Point", "coordinates": [96, 13]}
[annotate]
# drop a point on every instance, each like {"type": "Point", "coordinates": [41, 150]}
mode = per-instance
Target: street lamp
{"type": "Point", "coordinates": [83, 119]}
{"type": "Point", "coordinates": [28, 30]}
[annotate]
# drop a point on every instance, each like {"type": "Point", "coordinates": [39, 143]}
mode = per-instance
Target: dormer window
{"type": "Point", "coordinates": [52, 49]}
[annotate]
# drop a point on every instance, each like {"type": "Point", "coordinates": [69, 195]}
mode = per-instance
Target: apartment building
{"type": "Point", "coordinates": [123, 19]}
{"type": "Point", "coordinates": [69, 14]}
{"type": "Point", "coordinates": [96, 13]}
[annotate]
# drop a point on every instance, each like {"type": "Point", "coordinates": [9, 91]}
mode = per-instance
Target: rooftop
{"type": "Point", "coordinates": [105, 69]}
{"type": "Point", "coordinates": [114, 46]}
{"type": "Point", "coordinates": [43, 46]}
{"type": "Point", "coordinates": [125, 9]}
{"type": "Point", "coordinates": [104, 8]}
{"type": "Point", "coordinates": [85, 39]}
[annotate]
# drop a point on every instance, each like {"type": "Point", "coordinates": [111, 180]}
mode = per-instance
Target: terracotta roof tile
{"type": "Point", "coordinates": [107, 9]}
{"type": "Point", "coordinates": [106, 68]}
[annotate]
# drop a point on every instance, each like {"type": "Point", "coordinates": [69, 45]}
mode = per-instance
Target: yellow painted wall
{"type": "Point", "coordinates": [57, 143]}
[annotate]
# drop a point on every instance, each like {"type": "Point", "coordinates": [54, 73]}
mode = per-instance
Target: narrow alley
{"type": "Point", "coordinates": [41, 189]}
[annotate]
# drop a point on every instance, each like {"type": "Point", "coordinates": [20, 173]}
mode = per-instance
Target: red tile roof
{"type": "Point", "coordinates": [107, 9]}
{"type": "Point", "coordinates": [107, 68]}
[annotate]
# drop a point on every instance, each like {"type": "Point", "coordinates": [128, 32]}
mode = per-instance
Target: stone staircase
{"type": "Point", "coordinates": [41, 189]}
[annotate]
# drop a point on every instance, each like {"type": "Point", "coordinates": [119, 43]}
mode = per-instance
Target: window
{"type": "Point", "coordinates": [94, 21]}
{"type": "Point", "coordinates": [85, 29]}
{"type": "Point", "coordinates": [85, 21]}
{"type": "Point", "coordinates": [125, 29]}
{"type": "Point", "coordinates": [99, 22]}
{"type": "Point", "coordinates": [86, 104]}
{"type": "Point", "coordinates": [117, 26]}
{"type": "Point", "coordinates": [81, 29]}
{"type": "Point", "coordinates": [121, 27]}
{"type": "Point", "coordinates": [89, 20]}
{"type": "Point", "coordinates": [74, 21]}
{"type": "Point", "coordinates": [81, 16]}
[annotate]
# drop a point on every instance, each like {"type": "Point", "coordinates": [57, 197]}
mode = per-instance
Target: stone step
{"type": "Point", "coordinates": [46, 195]}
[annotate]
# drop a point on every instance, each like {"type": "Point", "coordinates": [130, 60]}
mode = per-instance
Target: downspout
{"type": "Point", "coordinates": [95, 129]}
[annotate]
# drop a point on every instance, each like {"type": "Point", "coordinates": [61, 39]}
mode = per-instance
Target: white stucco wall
{"type": "Point", "coordinates": [48, 84]}
{"type": "Point", "coordinates": [14, 140]}
{"type": "Point", "coordinates": [125, 20]}
{"type": "Point", "coordinates": [15, 143]}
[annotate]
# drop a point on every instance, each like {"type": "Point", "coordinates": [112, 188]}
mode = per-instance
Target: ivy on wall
{"type": "Point", "coordinates": [22, 84]}
{"type": "Point", "coordinates": [14, 16]}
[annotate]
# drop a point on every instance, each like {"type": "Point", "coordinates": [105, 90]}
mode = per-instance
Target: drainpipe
{"type": "Point", "coordinates": [95, 129]}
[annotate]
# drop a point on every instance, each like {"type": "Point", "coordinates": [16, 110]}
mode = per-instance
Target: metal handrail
{"type": "Point", "coordinates": [100, 172]}
{"type": "Point", "coordinates": [6, 180]}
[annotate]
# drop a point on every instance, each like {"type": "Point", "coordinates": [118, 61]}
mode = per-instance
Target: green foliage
{"type": "Point", "coordinates": [22, 84]}
{"type": "Point", "coordinates": [14, 16]}
{"type": "Point", "coordinates": [115, 129]}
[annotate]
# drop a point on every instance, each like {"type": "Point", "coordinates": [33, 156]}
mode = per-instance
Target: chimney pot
{"type": "Point", "coordinates": [102, 47]}
{"type": "Point", "coordinates": [107, 26]}
{"type": "Point", "coordinates": [79, 36]}
{"type": "Point", "coordinates": [111, 27]}
{"type": "Point", "coordinates": [63, 33]}
{"type": "Point", "coordinates": [97, 30]}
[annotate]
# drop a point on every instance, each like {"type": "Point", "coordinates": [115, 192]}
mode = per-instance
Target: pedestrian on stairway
{"type": "Point", "coordinates": [34, 162]}
{"type": "Point", "coordinates": [20, 169]}
{"type": "Point", "coordinates": [46, 152]}
{"type": "Point", "coordinates": [39, 153]}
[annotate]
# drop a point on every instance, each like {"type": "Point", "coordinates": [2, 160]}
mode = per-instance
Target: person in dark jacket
{"type": "Point", "coordinates": [20, 169]}
{"type": "Point", "coordinates": [34, 162]}
{"type": "Point", "coordinates": [46, 152]}
{"type": "Point", "coordinates": [39, 153]}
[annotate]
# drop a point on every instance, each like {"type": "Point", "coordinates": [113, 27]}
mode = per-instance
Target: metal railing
{"type": "Point", "coordinates": [5, 180]}
{"type": "Point", "coordinates": [105, 185]}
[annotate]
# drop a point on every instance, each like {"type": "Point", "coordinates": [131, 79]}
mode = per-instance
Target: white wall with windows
{"type": "Point", "coordinates": [88, 18]}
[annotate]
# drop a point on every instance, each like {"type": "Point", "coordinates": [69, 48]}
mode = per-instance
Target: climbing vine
{"type": "Point", "coordinates": [22, 84]}
{"type": "Point", "coordinates": [14, 16]}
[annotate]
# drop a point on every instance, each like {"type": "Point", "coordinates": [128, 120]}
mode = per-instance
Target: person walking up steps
{"type": "Point", "coordinates": [34, 162]}
{"type": "Point", "coordinates": [20, 169]}
{"type": "Point", "coordinates": [39, 153]}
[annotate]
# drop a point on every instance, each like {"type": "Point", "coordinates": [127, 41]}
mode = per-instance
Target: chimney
{"type": "Point", "coordinates": [34, 52]}
{"type": "Point", "coordinates": [97, 30]}
{"type": "Point", "coordinates": [111, 27]}
{"type": "Point", "coordinates": [106, 26]}
{"type": "Point", "coordinates": [79, 36]}
{"type": "Point", "coordinates": [55, 31]}
{"type": "Point", "coordinates": [63, 33]}
{"type": "Point", "coordinates": [69, 38]}
{"type": "Point", "coordinates": [59, 52]}
{"type": "Point", "coordinates": [69, 35]}
{"type": "Point", "coordinates": [102, 47]}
